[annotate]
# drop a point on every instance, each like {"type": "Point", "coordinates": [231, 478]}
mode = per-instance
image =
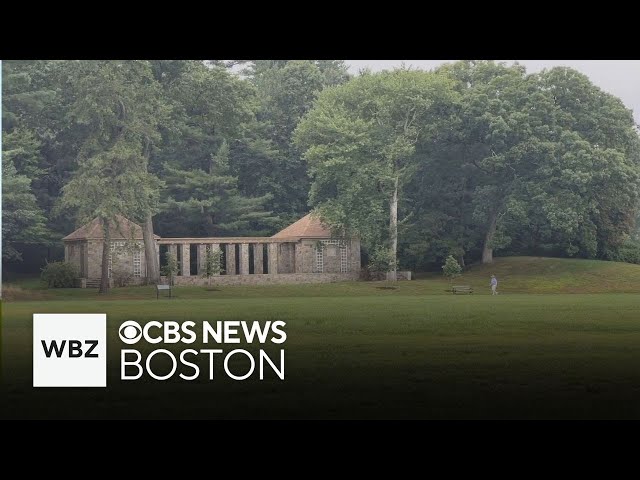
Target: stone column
{"type": "Point", "coordinates": [244, 259]}
{"type": "Point", "coordinates": [258, 258]}
{"type": "Point", "coordinates": [202, 257]}
{"type": "Point", "coordinates": [173, 251]}
{"type": "Point", "coordinates": [231, 258]}
{"type": "Point", "coordinates": [273, 258]}
{"type": "Point", "coordinates": [66, 252]}
{"type": "Point", "coordinates": [299, 257]}
{"type": "Point", "coordinates": [185, 265]}
{"type": "Point", "coordinates": [85, 263]}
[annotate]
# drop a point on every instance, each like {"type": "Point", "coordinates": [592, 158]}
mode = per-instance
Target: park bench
{"type": "Point", "coordinates": [162, 287]}
{"type": "Point", "coordinates": [462, 289]}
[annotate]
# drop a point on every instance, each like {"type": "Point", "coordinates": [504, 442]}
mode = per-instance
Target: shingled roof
{"type": "Point", "coordinates": [308, 226]}
{"type": "Point", "coordinates": [121, 229]}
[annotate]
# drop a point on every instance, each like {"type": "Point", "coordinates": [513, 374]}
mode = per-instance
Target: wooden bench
{"type": "Point", "coordinates": [462, 289]}
{"type": "Point", "coordinates": [162, 287]}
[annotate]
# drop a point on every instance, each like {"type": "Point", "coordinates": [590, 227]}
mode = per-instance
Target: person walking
{"type": "Point", "coordinates": [494, 285]}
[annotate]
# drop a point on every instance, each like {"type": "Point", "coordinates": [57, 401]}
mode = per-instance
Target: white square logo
{"type": "Point", "coordinates": [69, 350]}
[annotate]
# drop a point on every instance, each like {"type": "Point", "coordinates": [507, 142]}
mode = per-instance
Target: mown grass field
{"type": "Point", "coordinates": [515, 274]}
{"type": "Point", "coordinates": [361, 350]}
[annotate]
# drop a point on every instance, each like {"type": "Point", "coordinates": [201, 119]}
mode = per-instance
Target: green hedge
{"type": "Point", "coordinates": [59, 275]}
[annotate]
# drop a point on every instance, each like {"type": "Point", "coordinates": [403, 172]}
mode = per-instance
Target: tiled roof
{"type": "Point", "coordinates": [308, 226]}
{"type": "Point", "coordinates": [121, 229]}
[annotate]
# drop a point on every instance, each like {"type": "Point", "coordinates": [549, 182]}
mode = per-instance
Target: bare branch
{"type": "Point", "coordinates": [479, 167]}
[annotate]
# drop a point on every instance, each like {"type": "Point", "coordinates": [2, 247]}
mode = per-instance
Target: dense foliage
{"type": "Point", "coordinates": [59, 275]}
{"type": "Point", "coordinates": [451, 268]}
{"type": "Point", "coordinates": [531, 164]}
{"type": "Point", "coordinates": [466, 160]}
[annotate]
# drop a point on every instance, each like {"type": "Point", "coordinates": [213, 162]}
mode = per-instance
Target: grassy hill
{"type": "Point", "coordinates": [532, 275]}
{"type": "Point", "coordinates": [551, 275]}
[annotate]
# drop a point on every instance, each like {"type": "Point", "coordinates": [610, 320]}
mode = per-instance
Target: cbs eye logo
{"type": "Point", "coordinates": [130, 332]}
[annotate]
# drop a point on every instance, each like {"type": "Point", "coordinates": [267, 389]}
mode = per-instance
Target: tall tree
{"type": "Point", "coordinates": [603, 121]}
{"type": "Point", "coordinates": [544, 163]}
{"type": "Point", "coordinates": [438, 200]}
{"type": "Point", "coordinates": [117, 107]}
{"type": "Point", "coordinates": [125, 105]}
{"type": "Point", "coordinates": [210, 111]}
{"type": "Point", "coordinates": [209, 201]}
{"type": "Point", "coordinates": [538, 164]}
{"type": "Point", "coordinates": [360, 141]}
{"type": "Point", "coordinates": [35, 135]}
{"type": "Point", "coordinates": [22, 219]}
{"type": "Point", "coordinates": [272, 163]}
{"type": "Point", "coordinates": [498, 121]}
{"type": "Point", "coordinates": [109, 183]}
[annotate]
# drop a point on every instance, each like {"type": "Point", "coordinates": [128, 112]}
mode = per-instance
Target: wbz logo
{"type": "Point", "coordinates": [75, 348]}
{"type": "Point", "coordinates": [69, 350]}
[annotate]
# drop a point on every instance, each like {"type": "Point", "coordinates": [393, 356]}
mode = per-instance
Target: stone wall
{"type": "Point", "coordinates": [286, 257]}
{"type": "Point", "coordinates": [292, 259]}
{"type": "Point", "coordinates": [306, 257]}
{"type": "Point", "coordinates": [122, 260]}
{"type": "Point", "coordinates": [94, 252]}
{"type": "Point", "coordinates": [266, 279]}
{"type": "Point", "coordinates": [331, 256]}
{"type": "Point", "coordinates": [258, 258]}
{"type": "Point", "coordinates": [230, 254]}
{"type": "Point", "coordinates": [76, 254]}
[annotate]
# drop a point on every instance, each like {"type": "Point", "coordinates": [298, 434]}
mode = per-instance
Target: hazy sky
{"type": "Point", "coordinates": [618, 77]}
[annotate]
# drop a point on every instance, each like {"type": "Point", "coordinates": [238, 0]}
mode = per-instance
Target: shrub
{"type": "Point", "coordinates": [59, 275]}
{"type": "Point", "coordinates": [628, 252]}
{"type": "Point", "coordinates": [451, 268]}
{"type": "Point", "coordinates": [170, 270]}
{"type": "Point", "coordinates": [212, 263]}
{"type": "Point", "coordinates": [121, 277]}
{"type": "Point", "coordinates": [380, 260]}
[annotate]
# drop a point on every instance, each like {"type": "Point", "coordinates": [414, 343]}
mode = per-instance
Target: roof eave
{"type": "Point", "coordinates": [66, 239]}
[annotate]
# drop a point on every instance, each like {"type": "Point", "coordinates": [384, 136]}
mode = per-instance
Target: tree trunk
{"type": "Point", "coordinates": [487, 250]}
{"type": "Point", "coordinates": [534, 240]}
{"type": "Point", "coordinates": [393, 233]}
{"type": "Point", "coordinates": [152, 260]}
{"type": "Point", "coordinates": [210, 225]}
{"type": "Point", "coordinates": [106, 248]}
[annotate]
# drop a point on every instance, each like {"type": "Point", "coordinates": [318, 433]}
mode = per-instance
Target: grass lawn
{"type": "Point", "coordinates": [355, 350]}
{"type": "Point", "coordinates": [515, 275]}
